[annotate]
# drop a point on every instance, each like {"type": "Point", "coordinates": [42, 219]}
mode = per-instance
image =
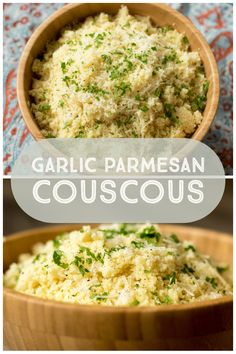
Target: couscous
{"type": "Point", "coordinates": [129, 265]}
{"type": "Point", "coordinates": [118, 76]}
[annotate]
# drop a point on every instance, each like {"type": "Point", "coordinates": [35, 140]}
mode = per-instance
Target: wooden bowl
{"type": "Point", "coordinates": [161, 14]}
{"type": "Point", "coordinates": [31, 323]}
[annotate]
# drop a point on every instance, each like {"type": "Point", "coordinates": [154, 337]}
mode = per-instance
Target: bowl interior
{"type": "Point", "coordinates": [216, 244]}
{"type": "Point", "coordinates": [160, 14]}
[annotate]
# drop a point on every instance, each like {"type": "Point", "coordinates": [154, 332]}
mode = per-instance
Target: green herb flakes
{"type": "Point", "coordinates": [187, 270]}
{"type": "Point", "coordinates": [56, 243]}
{"type": "Point", "coordinates": [144, 108]}
{"type": "Point", "coordinates": [57, 256]}
{"type": "Point", "coordinates": [169, 111]}
{"type": "Point", "coordinates": [171, 277]}
{"type": "Point", "coordinates": [100, 297]}
{"type": "Point", "coordinates": [45, 107]}
{"type": "Point", "coordinates": [137, 244]}
{"type": "Point", "coordinates": [185, 41]}
{"type": "Point", "coordinates": [212, 281]}
{"type": "Point", "coordinates": [150, 232]}
{"type": "Point", "coordinates": [135, 303]}
{"type": "Point", "coordinates": [190, 248]}
{"type": "Point", "coordinates": [222, 269]}
{"type": "Point", "coordinates": [79, 262]}
{"type": "Point", "coordinates": [122, 88]}
{"type": "Point", "coordinates": [174, 238]}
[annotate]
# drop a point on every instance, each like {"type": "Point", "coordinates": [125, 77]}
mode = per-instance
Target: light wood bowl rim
{"type": "Point", "coordinates": [195, 306]}
{"type": "Point", "coordinates": [203, 128]}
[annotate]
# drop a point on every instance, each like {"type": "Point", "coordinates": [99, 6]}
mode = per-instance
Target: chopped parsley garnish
{"type": "Point", "coordinates": [117, 52]}
{"type": "Point", "coordinates": [212, 281]}
{"type": "Point", "coordinates": [44, 107]}
{"type": "Point", "coordinates": [79, 262]}
{"type": "Point", "coordinates": [80, 134]}
{"type": "Point", "coordinates": [123, 230]}
{"type": "Point", "coordinates": [171, 57]}
{"type": "Point", "coordinates": [88, 46]}
{"type": "Point", "coordinates": [144, 108]}
{"type": "Point", "coordinates": [94, 89]}
{"type": "Point", "coordinates": [65, 65]}
{"type": "Point", "coordinates": [98, 122]}
{"type": "Point", "coordinates": [205, 87]}
{"type": "Point", "coordinates": [50, 135]}
{"type": "Point", "coordinates": [135, 303]}
{"type": "Point", "coordinates": [100, 297]}
{"type": "Point", "coordinates": [185, 41]}
{"type": "Point", "coordinates": [67, 80]}
{"type": "Point", "coordinates": [137, 244]}
{"type": "Point", "coordinates": [56, 243]}
{"type": "Point", "coordinates": [115, 74]}
{"type": "Point", "coordinates": [134, 135]}
{"type": "Point", "coordinates": [137, 98]}
{"type": "Point", "coordinates": [61, 103]}
{"type": "Point", "coordinates": [109, 233]}
{"type": "Point", "coordinates": [201, 69]}
{"type": "Point", "coordinates": [169, 111]}
{"type": "Point", "coordinates": [150, 232]}
{"type": "Point", "coordinates": [71, 42]}
{"type": "Point", "coordinates": [174, 238]}
{"type": "Point", "coordinates": [122, 88]}
{"type": "Point", "coordinates": [127, 24]}
{"type": "Point", "coordinates": [89, 253]}
{"type": "Point", "coordinates": [187, 270]}
{"type": "Point", "coordinates": [118, 71]}
{"type": "Point", "coordinates": [190, 247]}
{"type": "Point", "coordinates": [166, 29]}
{"type": "Point", "coordinates": [67, 124]}
{"type": "Point", "coordinates": [82, 269]}
{"type": "Point", "coordinates": [142, 57]}
{"type": "Point", "coordinates": [129, 64]}
{"type": "Point", "coordinates": [222, 269]}
{"type": "Point", "coordinates": [171, 278]}
{"type": "Point", "coordinates": [107, 59]}
{"type": "Point", "coordinates": [147, 271]}
{"type": "Point", "coordinates": [57, 255]}
{"type": "Point", "coordinates": [198, 103]}
{"type": "Point", "coordinates": [158, 92]}
{"type": "Point", "coordinates": [99, 38]}
{"type": "Point", "coordinates": [95, 286]}
{"type": "Point", "coordinates": [166, 300]}
{"type": "Point", "coordinates": [169, 253]}
{"type": "Point", "coordinates": [114, 249]}
{"type": "Point", "coordinates": [36, 258]}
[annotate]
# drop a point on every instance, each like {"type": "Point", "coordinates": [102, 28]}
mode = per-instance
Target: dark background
{"type": "Point", "coordinates": [15, 219]}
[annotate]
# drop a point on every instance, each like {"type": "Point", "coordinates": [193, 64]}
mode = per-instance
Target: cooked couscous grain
{"type": "Point", "coordinates": [131, 265]}
{"type": "Point", "coordinates": [118, 76]}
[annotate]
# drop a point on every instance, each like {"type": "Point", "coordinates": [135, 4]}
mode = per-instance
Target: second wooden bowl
{"type": "Point", "coordinates": [31, 323]}
{"type": "Point", "coordinates": [160, 14]}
